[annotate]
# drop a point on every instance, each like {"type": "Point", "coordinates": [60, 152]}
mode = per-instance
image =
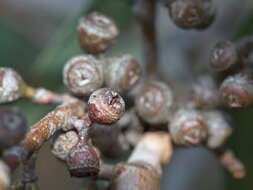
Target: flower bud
{"type": "Point", "coordinates": [83, 74]}
{"type": "Point", "coordinates": [12, 127]}
{"type": "Point", "coordinates": [154, 104]}
{"type": "Point", "coordinates": [223, 56]}
{"type": "Point", "coordinates": [188, 127]}
{"type": "Point", "coordinates": [237, 91]}
{"type": "Point", "coordinates": [105, 106]}
{"type": "Point", "coordinates": [122, 72]}
{"type": "Point", "coordinates": [96, 33]}
{"type": "Point", "coordinates": [218, 128]}
{"type": "Point", "coordinates": [10, 85]}
{"type": "Point", "coordinates": [64, 143]}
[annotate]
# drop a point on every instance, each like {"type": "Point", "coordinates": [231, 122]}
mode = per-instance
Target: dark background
{"type": "Point", "coordinates": [37, 37]}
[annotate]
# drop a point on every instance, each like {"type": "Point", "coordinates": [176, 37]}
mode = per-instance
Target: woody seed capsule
{"type": "Point", "coordinates": [105, 106]}
{"type": "Point", "coordinates": [154, 104]}
{"type": "Point", "coordinates": [10, 85]}
{"type": "Point", "coordinates": [122, 72]}
{"type": "Point", "coordinates": [237, 91]}
{"type": "Point", "coordinates": [82, 160]}
{"type": "Point", "coordinates": [83, 74]}
{"type": "Point", "coordinates": [96, 33]}
{"type": "Point", "coordinates": [64, 143]}
{"type": "Point", "coordinates": [188, 127]}
{"type": "Point", "coordinates": [12, 127]}
{"type": "Point", "coordinates": [186, 14]}
{"type": "Point", "coordinates": [223, 56]}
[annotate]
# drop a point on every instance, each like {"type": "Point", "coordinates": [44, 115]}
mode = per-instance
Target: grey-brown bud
{"type": "Point", "coordinates": [64, 143]}
{"type": "Point", "coordinates": [12, 127]}
{"type": "Point", "coordinates": [189, 14]}
{"type": "Point", "coordinates": [237, 91]}
{"type": "Point", "coordinates": [154, 103]}
{"type": "Point", "coordinates": [105, 106]}
{"type": "Point", "coordinates": [96, 33]}
{"type": "Point", "coordinates": [10, 85]}
{"type": "Point", "coordinates": [223, 56]}
{"type": "Point", "coordinates": [83, 74]}
{"type": "Point", "coordinates": [188, 127]}
{"type": "Point", "coordinates": [218, 128]}
{"type": "Point", "coordinates": [122, 72]}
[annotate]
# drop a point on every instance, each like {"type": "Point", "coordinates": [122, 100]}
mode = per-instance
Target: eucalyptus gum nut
{"type": "Point", "coordinates": [223, 56]}
{"type": "Point", "coordinates": [96, 32]}
{"type": "Point", "coordinates": [82, 160]}
{"type": "Point", "coordinates": [186, 14]}
{"type": "Point", "coordinates": [122, 72]}
{"type": "Point", "coordinates": [64, 143]}
{"type": "Point", "coordinates": [154, 103]}
{"type": "Point", "coordinates": [105, 106]}
{"type": "Point", "coordinates": [188, 127]}
{"type": "Point", "coordinates": [13, 127]}
{"type": "Point", "coordinates": [83, 74]}
{"type": "Point", "coordinates": [11, 85]}
{"type": "Point", "coordinates": [218, 128]}
{"type": "Point", "coordinates": [237, 91]}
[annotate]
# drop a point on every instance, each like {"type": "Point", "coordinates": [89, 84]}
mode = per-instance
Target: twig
{"type": "Point", "coordinates": [145, 11]}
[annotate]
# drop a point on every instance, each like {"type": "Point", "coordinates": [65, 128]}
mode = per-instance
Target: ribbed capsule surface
{"type": "Point", "coordinates": [106, 106]}
{"type": "Point", "coordinates": [122, 72]}
{"type": "Point", "coordinates": [83, 74]}
{"type": "Point", "coordinates": [154, 103]}
{"type": "Point", "coordinates": [188, 127]}
{"type": "Point", "coordinates": [10, 85]}
{"type": "Point", "coordinates": [96, 32]}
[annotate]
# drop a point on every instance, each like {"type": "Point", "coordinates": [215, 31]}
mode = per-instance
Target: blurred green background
{"type": "Point", "coordinates": [38, 37]}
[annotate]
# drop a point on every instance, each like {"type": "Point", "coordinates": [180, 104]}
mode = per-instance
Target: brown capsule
{"type": "Point", "coordinates": [205, 93]}
{"type": "Point", "coordinates": [64, 143]}
{"type": "Point", "coordinates": [96, 33]}
{"type": "Point", "coordinates": [135, 176]}
{"type": "Point", "coordinates": [83, 74]}
{"type": "Point", "coordinates": [12, 127]}
{"type": "Point", "coordinates": [237, 91]}
{"type": "Point", "coordinates": [122, 72]}
{"type": "Point", "coordinates": [209, 15]}
{"type": "Point", "coordinates": [105, 106]}
{"type": "Point", "coordinates": [82, 160]}
{"type": "Point", "coordinates": [186, 14]}
{"type": "Point", "coordinates": [154, 103]}
{"type": "Point", "coordinates": [223, 56]}
{"type": "Point", "coordinates": [218, 128]}
{"type": "Point", "coordinates": [188, 127]}
{"type": "Point", "coordinates": [10, 85]}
